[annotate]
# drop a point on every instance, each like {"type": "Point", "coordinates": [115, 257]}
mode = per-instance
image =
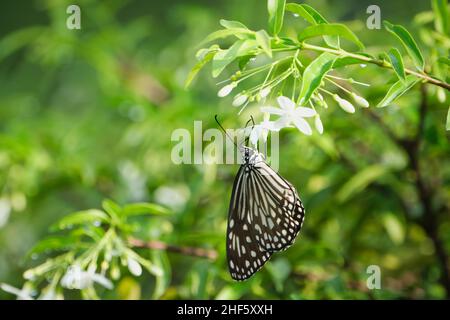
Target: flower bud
{"type": "Point", "coordinates": [226, 90]}
{"type": "Point", "coordinates": [344, 104]}
{"type": "Point", "coordinates": [360, 101]}
{"type": "Point", "coordinates": [239, 100]}
{"type": "Point", "coordinates": [264, 92]}
{"type": "Point", "coordinates": [134, 267]}
{"type": "Point", "coordinates": [318, 124]}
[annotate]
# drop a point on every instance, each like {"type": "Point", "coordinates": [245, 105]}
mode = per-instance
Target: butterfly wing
{"type": "Point", "coordinates": [278, 212]}
{"type": "Point", "coordinates": [244, 254]}
{"type": "Point", "coordinates": [265, 216]}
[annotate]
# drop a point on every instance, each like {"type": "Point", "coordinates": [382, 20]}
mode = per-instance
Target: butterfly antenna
{"type": "Point", "coordinates": [224, 131]}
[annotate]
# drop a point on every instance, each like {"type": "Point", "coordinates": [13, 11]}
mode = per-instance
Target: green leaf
{"type": "Point", "coordinates": [112, 208]}
{"type": "Point", "coordinates": [441, 16]}
{"type": "Point", "coordinates": [223, 58]}
{"type": "Point", "coordinates": [345, 61]}
{"type": "Point", "coordinates": [223, 33]}
{"type": "Point", "coordinates": [276, 15]}
{"type": "Point", "coordinates": [314, 73]}
{"type": "Point", "coordinates": [313, 17]}
{"type": "Point", "coordinates": [397, 63]}
{"type": "Point", "coordinates": [54, 243]}
{"type": "Point", "coordinates": [160, 260]}
{"type": "Point", "coordinates": [81, 217]}
{"type": "Point", "coordinates": [397, 90]}
{"type": "Point", "coordinates": [408, 42]}
{"type": "Point", "coordinates": [360, 181]}
{"type": "Point", "coordinates": [144, 208]}
{"type": "Point", "coordinates": [229, 24]}
{"type": "Point", "coordinates": [332, 29]}
{"type": "Point", "coordinates": [447, 125]}
{"type": "Point", "coordinates": [263, 40]}
{"type": "Point", "coordinates": [208, 56]}
{"type": "Point", "coordinates": [307, 12]}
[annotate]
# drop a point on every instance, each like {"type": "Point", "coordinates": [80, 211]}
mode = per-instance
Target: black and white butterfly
{"type": "Point", "coordinates": [265, 215]}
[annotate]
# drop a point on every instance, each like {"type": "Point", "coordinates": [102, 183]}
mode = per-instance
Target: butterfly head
{"type": "Point", "coordinates": [250, 156]}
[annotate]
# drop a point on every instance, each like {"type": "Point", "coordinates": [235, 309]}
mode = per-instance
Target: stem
{"type": "Point", "coordinates": [159, 245]}
{"type": "Point", "coordinates": [380, 63]}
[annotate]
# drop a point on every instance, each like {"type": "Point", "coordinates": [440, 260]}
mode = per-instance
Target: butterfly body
{"type": "Point", "coordinates": [265, 215]}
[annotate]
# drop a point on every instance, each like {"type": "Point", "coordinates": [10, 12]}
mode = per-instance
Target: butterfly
{"type": "Point", "coordinates": [265, 215]}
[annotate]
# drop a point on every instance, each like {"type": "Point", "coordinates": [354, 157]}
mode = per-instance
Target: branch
{"type": "Point", "coordinates": [378, 62]}
{"type": "Point", "coordinates": [188, 251]}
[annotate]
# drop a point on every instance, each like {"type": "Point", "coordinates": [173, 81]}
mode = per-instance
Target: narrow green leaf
{"type": "Point", "coordinates": [229, 24]}
{"type": "Point", "coordinates": [81, 217]}
{"type": "Point", "coordinates": [263, 40]}
{"type": "Point", "coordinates": [313, 17]}
{"type": "Point", "coordinates": [314, 73]}
{"type": "Point", "coordinates": [223, 33]}
{"type": "Point", "coordinates": [207, 56]}
{"type": "Point", "coordinates": [306, 12]}
{"type": "Point", "coordinates": [54, 243]}
{"type": "Point", "coordinates": [112, 208]}
{"type": "Point", "coordinates": [397, 63]}
{"type": "Point", "coordinates": [332, 29]}
{"type": "Point", "coordinates": [397, 90]}
{"type": "Point", "coordinates": [408, 42]}
{"type": "Point", "coordinates": [447, 125]}
{"type": "Point", "coordinates": [223, 58]}
{"type": "Point", "coordinates": [276, 15]}
{"type": "Point", "coordinates": [144, 208]}
{"type": "Point", "coordinates": [441, 15]}
{"type": "Point", "coordinates": [160, 259]}
{"type": "Point", "coordinates": [360, 181]}
{"type": "Point", "coordinates": [345, 61]}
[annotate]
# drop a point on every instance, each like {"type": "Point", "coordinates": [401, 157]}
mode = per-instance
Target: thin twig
{"type": "Point", "coordinates": [159, 245]}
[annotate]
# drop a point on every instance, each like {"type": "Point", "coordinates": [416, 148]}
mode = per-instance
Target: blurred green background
{"type": "Point", "coordinates": [88, 114]}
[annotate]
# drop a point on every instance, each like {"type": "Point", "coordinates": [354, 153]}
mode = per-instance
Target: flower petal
{"type": "Point", "coordinates": [286, 103]}
{"type": "Point", "coordinates": [272, 110]}
{"type": "Point", "coordinates": [304, 112]}
{"type": "Point", "coordinates": [102, 280]}
{"type": "Point", "coordinates": [302, 125]}
{"type": "Point", "coordinates": [281, 123]}
{"type": "Point", "coordinates": [254, 135]}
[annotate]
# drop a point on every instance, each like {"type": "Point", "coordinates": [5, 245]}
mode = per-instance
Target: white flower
{"type": "Point", "coordinates": [134, 267]}
{"type": "Point", "coordinates": [344, 104]}
{"type": "Point", "coordinates": [76, 278]}
{"type": "Point", "coordinates": [239, 100]}
{"type": "Point", "coordinates": [262, 130]}
{"type": "Point", "coordinates": [318, 124]}
{"type": "Point", "coordinates": [22, 294]}
{"type": "Point", "coordinates": [173, 196]}
{"type": "Point", "coordinates": [290, 113]}
{"type": "Point", "coordinates": [226, 90]}
{"type": "Point", "coordinates": [360, 100]}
